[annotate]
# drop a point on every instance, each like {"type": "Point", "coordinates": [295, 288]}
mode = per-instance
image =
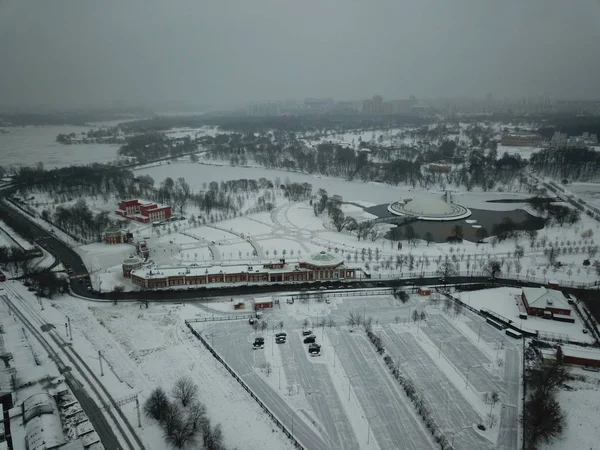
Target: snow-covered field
{"type": "Point", "coordinates": [581, 406]}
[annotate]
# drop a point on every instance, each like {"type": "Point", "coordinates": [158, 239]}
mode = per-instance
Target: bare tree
{"type": "Point", "coordinates": [213, 437]}
{"type": "Point", "coordinates": [197, 415]}
{"type": "Point", "coordinates": [422, 316]}
{"type": "Point", "coordinates": [415, 315]}
{"type": "Point", "coordinates": [493, 268]}
{"type": "Point", "coordinates": [543, 419]}
{"type": "Point", "coordinates": [397, 319]}
{"type": "Point", "coordinates": [457, 308]}
{"type": "Point", "coordinates": [446, 270]}
{"type": "Point", "coordinates": [157, 404]}
{"type": "Point", "coordinates": [447, 304]}
{"type": "Point", "coordinates": [185, 390]}
{"type": "Point", "coordinates": [330, 322]}
{"type": "Point", "coordinates": [305, 323]}
{"type": "Point", "coordinates": [492, 420]}
{"type": "Point", "coordinates": [178, 429]}
{"type": "Point", "coordinates": [368, 324]}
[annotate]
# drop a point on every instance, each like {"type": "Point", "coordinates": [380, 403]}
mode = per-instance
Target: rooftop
{"type": "Point", "coordinates": [324, 259]}
{"type": "Point", "coordinates": [543, 298]}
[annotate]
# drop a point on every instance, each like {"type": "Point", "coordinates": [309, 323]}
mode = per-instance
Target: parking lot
{"type": "Point", "coordinates": [344, 397]}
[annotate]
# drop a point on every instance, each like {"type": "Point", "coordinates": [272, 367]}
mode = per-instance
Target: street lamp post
{"type": "Point", "coordinates": [349, 378]}
{"type": "Point", "coordinates": [279, 371]}
{"type": "Point", "coordinates": [369, 427]}
{"type": "Point", "coordinates": [293, 414]}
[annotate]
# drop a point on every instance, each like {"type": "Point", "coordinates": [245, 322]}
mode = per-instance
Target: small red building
{"type": "Point", "coordinates": [115, 236]}
{"type": "Point", "coordinates": [586, 357]}
{"type": "Point", "coordinates": [130, 264]}
{"type": "Point", "coordinates": [544, 302]}
{"type": "Point", "coordinates": [263, 303]}
{"type": "Point", "coordinates": [143, 211]}
{"type": "Point", "coordinates": [424, 291]}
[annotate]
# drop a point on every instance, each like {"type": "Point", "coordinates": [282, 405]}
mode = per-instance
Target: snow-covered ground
{"type": "Point", "coordinates": [581, 406]}
{"type": "Point", "coordinates": [507, 302]}
{"type": "Point", "coordinates": [523, 152]}
{"type": "Point", "coordinates": [146, 348]}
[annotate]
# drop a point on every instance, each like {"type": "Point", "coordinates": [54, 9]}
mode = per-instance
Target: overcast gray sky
{"type": "Point", "coordinates": [81, 52]}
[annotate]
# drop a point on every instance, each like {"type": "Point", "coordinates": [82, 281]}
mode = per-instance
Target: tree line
{"type": "Point", "coordinates": [575, 164]}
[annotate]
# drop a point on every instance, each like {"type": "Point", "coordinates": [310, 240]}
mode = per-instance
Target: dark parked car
{"type": "Point", "coordinates": [282, 334]}
{"type": "Point", "coordinates": [306, 332]}
{"type": "Point", "coordinates": [280, 340]}
{"type": "Point", "coordinates": [310, 339]}
{"type": "Point", "coordinates": [314, 349]}
{"type": "Point", "coordinates": [259, 342]}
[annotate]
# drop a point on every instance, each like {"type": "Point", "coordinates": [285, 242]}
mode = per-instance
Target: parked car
{"type": "Point", "coordinates": [281, 334]}
{"type": "Point", "coordinates": [251, 320]}
{"type": "Point", "coordinates": [306, 332]}
{"type": "Point", "coordinates": [259, 342]}
{"type": "Point", "coordinates": [310, 339]}
{"type": "Point", "coordinates": [280, 340]}
{"type": "Point", "coordinates": [314, 349]}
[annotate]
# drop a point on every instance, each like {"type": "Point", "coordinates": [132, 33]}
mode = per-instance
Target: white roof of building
{"type": "Point", "coordinates": [545, 298]}
{"type": "Point", "coordinates": [580, 352]}
{"type": "Point", "coordinates": [263, 300]}
{"type": "Point", "coordinates": [428, 206]}
{"type": "Point", "coordinates": [42, 422]}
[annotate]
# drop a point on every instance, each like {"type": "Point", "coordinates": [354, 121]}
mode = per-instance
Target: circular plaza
{"type": "Point", "coordinates": [429, 208]}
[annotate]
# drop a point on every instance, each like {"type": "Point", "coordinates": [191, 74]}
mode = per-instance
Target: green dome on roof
{"type": "Point", "coordinates": [324, 258]}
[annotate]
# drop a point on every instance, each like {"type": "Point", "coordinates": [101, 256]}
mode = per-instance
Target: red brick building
{"type": "Point", "coordinates": [320, 266]}
{"type": "Point", "coordinates": [544, 302]}
{"type": "Point", "coordinates": [115, 236]}
{"type": "Point", "coordinates": [131, 264]}
{"type": "Point", "coordinates": [143, 211]}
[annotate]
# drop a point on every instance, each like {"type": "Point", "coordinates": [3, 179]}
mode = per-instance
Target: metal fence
{"type": "Point", "coordinates": [220, 318]}
{"type": "Point", "coordinates": [198, 335]}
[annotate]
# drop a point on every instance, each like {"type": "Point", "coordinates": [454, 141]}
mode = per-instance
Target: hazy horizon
{"type": "Point", "coordinates": [70, 54]}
